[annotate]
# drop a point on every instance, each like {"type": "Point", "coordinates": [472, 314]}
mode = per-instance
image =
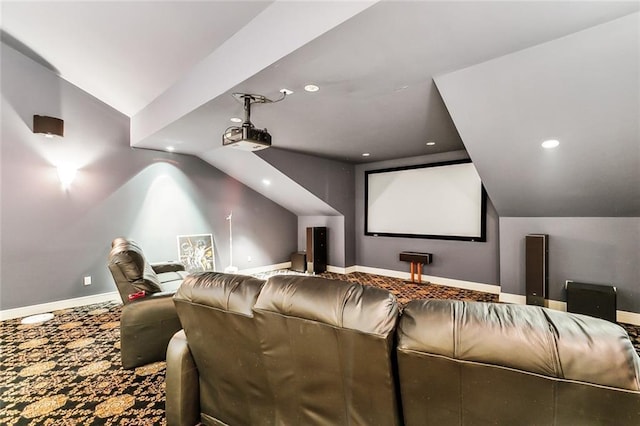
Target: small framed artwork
{"type": "Point", "coordinates": [196, 252]}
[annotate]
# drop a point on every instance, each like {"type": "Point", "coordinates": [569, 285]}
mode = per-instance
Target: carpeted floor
{"type": "Point", "coordinates": [67, 371]}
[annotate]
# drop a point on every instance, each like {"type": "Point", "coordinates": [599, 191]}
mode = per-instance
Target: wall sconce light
{"type": "Point", "coordinates": [66, 175]}
{"type": "Point", "coordinates": [49, 126]}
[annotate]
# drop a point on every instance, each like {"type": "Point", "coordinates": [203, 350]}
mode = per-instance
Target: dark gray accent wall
{"type": "Point", "coordinates": [600, 250]}
{"type": "Point", "coordinates": [50, 238]}
{"type": "Point", "coordinates": [330, 180]}
{"type": "Point", "coordinates": [461, 260]}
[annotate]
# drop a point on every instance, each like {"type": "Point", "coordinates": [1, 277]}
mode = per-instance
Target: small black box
{"type": "Point", "coordinates": [592, 299]}
{"type": "Point", "coordinates": [299, 261]}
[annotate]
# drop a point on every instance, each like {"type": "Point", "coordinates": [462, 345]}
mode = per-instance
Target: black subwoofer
{"type": "Point", "coordinates": [537, 269]}
{"type": "Point", "coordinates": [299, 261]}
{"type": "Point", "coordinates": [592, 299]}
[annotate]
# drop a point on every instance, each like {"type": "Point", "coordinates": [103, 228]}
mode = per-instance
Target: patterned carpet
{"type": "Point", "coordinates": [67, 371]}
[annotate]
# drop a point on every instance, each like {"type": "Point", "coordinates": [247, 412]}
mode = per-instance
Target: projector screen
{"type": "Point", "coordinates": [440, 201]}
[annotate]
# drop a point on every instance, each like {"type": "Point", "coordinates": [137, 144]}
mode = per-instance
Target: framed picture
{"type": "Point", "coordinates": [196, 252]}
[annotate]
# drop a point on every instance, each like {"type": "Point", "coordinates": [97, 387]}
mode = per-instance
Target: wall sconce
{"type": "Point", "coordinates": [49, 126]}
{"type": "Point", "coordinates": [66, 174]}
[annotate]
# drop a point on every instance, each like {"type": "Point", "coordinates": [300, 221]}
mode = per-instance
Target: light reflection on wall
{"type": "Point", "coordinates": [168, 210]}
{"type": "Point", "coordinates": [66, 174]}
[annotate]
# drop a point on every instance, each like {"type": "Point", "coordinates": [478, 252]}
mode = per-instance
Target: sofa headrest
{"type": "Point", "coordinates": [228, 292]}
{"type": "Point", "coordinates": [128, 257]}
{"type": "Point", "coordinates": [528, 338]}
{"type": "Point", "coordinates": [338, 303]}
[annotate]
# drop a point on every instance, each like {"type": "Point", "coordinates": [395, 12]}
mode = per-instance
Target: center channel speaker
{"type": "Point", "coordinates": [317, 249]}
{"type": "Point", "coordinates": [537, 269]}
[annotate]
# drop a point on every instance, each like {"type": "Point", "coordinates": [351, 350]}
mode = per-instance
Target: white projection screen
{"type": "Point", "coordinates": [440, 201]}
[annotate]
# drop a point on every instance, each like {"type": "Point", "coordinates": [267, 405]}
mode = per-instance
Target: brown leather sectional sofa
{"type": "Point", "coordinates": [309, 351]}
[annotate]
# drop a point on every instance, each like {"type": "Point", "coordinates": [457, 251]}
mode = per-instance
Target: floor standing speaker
{"type": "Point", "coordinates": [537, 269]}
{"type": "Point", "coordinates": [317, 249]}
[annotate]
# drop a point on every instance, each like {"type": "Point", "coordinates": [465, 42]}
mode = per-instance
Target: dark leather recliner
{"type": "Point", "coordinates": [471, 363]}
{"type": "Point", "coordinates": [328, 351]}
{"type": "Point", "coordinates": [311, 351]}
{"type": "Point", "coordinates": [218, 376]}
{"type": "Point", "coordinates": [147, 323]}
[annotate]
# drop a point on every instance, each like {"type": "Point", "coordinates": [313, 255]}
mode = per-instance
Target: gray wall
{"type": "Point", "coordinates": [585, 193]}
{"type": "Point", "coordinates": [330, 180]}
{"type": "Point", "coordinates": [462, 260]}
{"type": "Point", "coordinates": [597, 250]}
{"type": "Point", "coordinates": [51, 238]}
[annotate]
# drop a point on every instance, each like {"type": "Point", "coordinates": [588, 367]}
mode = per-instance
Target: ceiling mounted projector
{"type": "Point", "coordinates": [246, 137]}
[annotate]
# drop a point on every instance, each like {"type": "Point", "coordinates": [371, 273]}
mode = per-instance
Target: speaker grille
{"type": "Point", "coordinates": [537, 269]}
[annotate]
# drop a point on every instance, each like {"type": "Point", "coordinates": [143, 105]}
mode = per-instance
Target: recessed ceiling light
{"type": "Point", "coordinates": [311, 88]}
{"type": "Point", "coordinates": [550, 143]}
{"type": "Point", "coordinates": [431, 143]}
{"type": "Point", "coordinates": [266, 182]}
{"type": "Point", "coordinates": [236, 120]}
{"type": "Point", "coordinates": [170, 148]}
{"type": "Point", "coordinates": [365, 154]}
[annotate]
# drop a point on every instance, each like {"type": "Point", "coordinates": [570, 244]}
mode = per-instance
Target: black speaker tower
{"type": "Point", "coordinates": [537, 269]}
{"type": "Point", "coordinates": [317, 249]}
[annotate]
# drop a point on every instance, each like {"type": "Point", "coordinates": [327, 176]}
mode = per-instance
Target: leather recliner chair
{"type": "Point", "coordinates": [218, 377]}
{"type": "Point", "coordinates": [291, 351]}
{"type": "Point", "coordinates": [470, 363]}
{"type": "Point", "coordinates": [148, 321]}
{"type": "Point", "coordinates": [328, 350]}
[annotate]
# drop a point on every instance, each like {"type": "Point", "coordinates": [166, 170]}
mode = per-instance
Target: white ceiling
{"type": "Point", "coordinates": [125, 53]}
{"type": "Point", "coordinates": [172, 67]}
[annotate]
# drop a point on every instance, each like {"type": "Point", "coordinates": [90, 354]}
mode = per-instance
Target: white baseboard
{"type": "Point", "coordinates": [267, 268]}
{"type": "Point", "coordinates": [621, 316]}
{"type": "Point", "coordinates": [341, 270]}
{"type": "Point", "coordinates": [450, 282]}
{"type": "Point", "coordinates": [512, 298]}
{"type": "Point", "coordinates": [628, 317]}
{"type": "Point", "coordinates": [25, 311]}
{"type": "Point", "coordinates": [557, 305]}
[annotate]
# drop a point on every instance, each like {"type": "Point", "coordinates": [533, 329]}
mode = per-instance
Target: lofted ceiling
{"type": "Point", "coordinates": [172, 67]}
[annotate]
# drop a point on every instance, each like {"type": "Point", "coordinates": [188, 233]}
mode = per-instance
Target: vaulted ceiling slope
{"type": "Point", "coordinates": [374, 67]}
{"type": "Point", "coordinates": [582, 90]}
{"type": "Point", "coordinates": [172, 67]}
{"type": "Point", "coordinates": [125, 53]}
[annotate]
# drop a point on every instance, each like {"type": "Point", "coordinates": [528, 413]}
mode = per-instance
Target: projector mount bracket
{"type": "Point", "coordinates": [246, 137]}
{"type": "Point", "coordinates": [248, 98]}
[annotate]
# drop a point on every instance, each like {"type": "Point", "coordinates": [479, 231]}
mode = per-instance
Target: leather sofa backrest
{"type": "Point", "coordinates": [215, 310]}
{"type": "Point", "coordinates": [328, 349]}
{"type": "Point", "coordinates": [130, 270]}
{"type": "Point", "coordinates": [513, 363]}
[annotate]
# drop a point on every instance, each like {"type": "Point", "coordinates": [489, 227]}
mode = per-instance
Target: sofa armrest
{"type": "Point", "coordinates": [182, 384]}
{"type": "Point", "coordinates": [161, 267]}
